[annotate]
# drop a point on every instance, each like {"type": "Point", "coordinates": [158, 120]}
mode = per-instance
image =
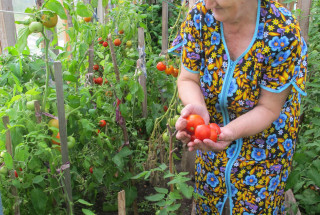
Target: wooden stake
{"type": "Point", "coordinates": [141, 64]}
{"type": "Point", "coordinates": [113, 56]}
{"type": "Point", "coordinates": [37, 111]}
{"type": "Point", "coordinates": [165, 33]}
{"type": "Point", "coordinates": [304, 6]}
{"type": "Point", "coordinates": [14, 190]}
{"type": "Point", "coordinates": [7, 25]}
{"type": "Point", "coordinates": [63, 132]}
{"type": "Point", "coordinates": [122, 203]}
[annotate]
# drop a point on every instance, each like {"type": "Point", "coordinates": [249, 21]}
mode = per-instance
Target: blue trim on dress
{"type": "Point", "coordinates": [189, 70]}
{"type": "Point", "coordinates": [223, 101]}
{"type": "Point", "coordinates": [174, 48]}
{"type": "Point", "coordinates": [292, 82]}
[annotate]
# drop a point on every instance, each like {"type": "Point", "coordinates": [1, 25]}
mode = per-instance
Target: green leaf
{"type": "Point", "coordinates": [293, 178]}
{"type": "Point", "coordinates": [142, 25]}
{"type": "Point", "coordinates": [56, 7]}
{"type": "Point", "coordinates": [105, 3]}
{"type": "Point", "coordinates": [37, 179]}
{"type": "Point", "coordinates": [161, 190]}
{"type": "Point", "coordinates": [84, 202]}
{"type": "Point", "coordinates": [83, 10]}
{"type": "Point", "coordinates": [314, 175]}
{"type": "Point", "coordinates": [175, 195]}
{"type": "Point", "coordinates": [140, 175]}
{"type": "Point", "coordinates": [87, 212]}
{"type": "Point", "coordinates": [94, 3]}
{"type": "Point", "coordinates": [22, 40]}
{"type": "Point", "coordinates": [39, 200]}
{"type": "Point", "coordinates": [155, 198]}
{"type": "Point", "coordinates": [186, 190]}
{"type": "Point", "coordinates": [173, 207]}
{"type": "Point", "coordinates": [8, 160]}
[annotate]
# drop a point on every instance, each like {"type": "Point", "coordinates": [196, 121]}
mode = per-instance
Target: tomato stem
{"type": "Point", "coordinates": [46, 52]}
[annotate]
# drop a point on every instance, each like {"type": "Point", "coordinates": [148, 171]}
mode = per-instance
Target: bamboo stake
{"type": "Point", "coordinates": [122, 203]}
{"type": "Point", "coordinates": [165, 33]}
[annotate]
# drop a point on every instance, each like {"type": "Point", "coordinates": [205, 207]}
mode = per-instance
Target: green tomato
{"type": "Point", "coordinates": [71, 142]}
{"type": "Point", "coordinates": [4, 170]}
{"type": "Point", "coordinates": [165, 137]}
{"type": "Point", "coordinates": [30, 105]}
{"type": "Point", "coordinates": [35, 27]}
{"type": "Point", "coordinates": [179, 108]}
{"type": "Point", "coordinates": [129, 43]}
{"type": "Point", "coordinates": [145, 148]}
{"type": "Point", "coordinates": [172, 121]}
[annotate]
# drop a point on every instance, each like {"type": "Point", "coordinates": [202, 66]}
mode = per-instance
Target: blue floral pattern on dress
{"type": "Point", "coordinates": [253, 169]}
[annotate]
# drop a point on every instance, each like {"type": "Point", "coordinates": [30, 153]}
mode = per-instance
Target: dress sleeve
{"type": "Point", "coordinates": [187, 43]}
{"type": "Point", "coordinates": [286, 67]}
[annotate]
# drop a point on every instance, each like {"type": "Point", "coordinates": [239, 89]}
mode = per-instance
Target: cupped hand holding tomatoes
{"type": "Point", "coordinates": [225, 139]}
{"type": "Point", "coordinates": [182, 123]}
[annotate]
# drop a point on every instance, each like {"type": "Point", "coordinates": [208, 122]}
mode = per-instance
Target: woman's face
{"type": "Point", "coordinates": [226, 10]}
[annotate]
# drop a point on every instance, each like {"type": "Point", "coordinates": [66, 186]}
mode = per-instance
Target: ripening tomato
{"type": "Point", "coordinates": [58, 137]}
{"type": "Point", "coordinates": [161, 66]}
{"type": "Point", "coordinates": [49, 20]}
{"type": "Point", "coordinates": [87, 19]}
{"type": "Point", "coordinates": [96, 67]}
{"type": "Point", "coordinates": [213, 134]}
{"type": "Point", "coordinates": [91, 170]}
{"type": "Point", "coordinates": [100, 40]}
{"type": "Point", "coordinates": [175, 72]}
{"type": "Point", "coordinates": [193, 121]}
{"type": "Point", "coordinates": [165, 108]}
{"type": "Point", "coordinates": [105, 44]}
{"type": "Point", "coordinates": [202, 132]}
{"type": "Point", "coordinates": [216, 127]}
{"type": "Point", "coordinates": [117, 42]}
{"type": "Point", "coordinates": [98, 80]}
{"type": "Point", "coordinates": [121, 31]}
{"type": "Point", "coordinates": [102, 123]}
{"type": "Point", "coordinates": [16, 174]}
{"type": "Point", "coordinates": [53, 123]}
{"type": "Point", "coordinates": [109, 93]}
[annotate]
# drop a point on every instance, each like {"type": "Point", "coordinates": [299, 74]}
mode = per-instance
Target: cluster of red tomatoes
{"type": "Point", "coordinates": [116, 42]}
{"type": "Point", "coordinates": [169, 70]}
{"type": "Point", "coordinates": [98, 80]}
{"type": "Point", "coordinates": [197, 128]}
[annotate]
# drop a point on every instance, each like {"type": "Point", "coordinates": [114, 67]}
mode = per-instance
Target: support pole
{"type": "Point", "coordinates": [7, 26]}
{"type": "Point", "coordinates": [63, 133]}
{"type": "Point", "coordinates": [165, 33]}
{"type": "Point", "coordinates": [142, 67]}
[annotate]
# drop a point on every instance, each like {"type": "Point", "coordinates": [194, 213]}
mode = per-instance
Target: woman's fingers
{"type": "Point", "coordinates": [181, 124]}
{"type": "Point", "coordinates": [183, 136]}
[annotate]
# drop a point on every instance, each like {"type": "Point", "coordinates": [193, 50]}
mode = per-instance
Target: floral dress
{"type": "Point", "coordinates": [252, 172]}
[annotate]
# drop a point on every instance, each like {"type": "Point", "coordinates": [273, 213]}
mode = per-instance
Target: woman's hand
{"type": "Point", "coordinates": [225, 138]}
{"type": "Point", "coordinates": [181, 123]}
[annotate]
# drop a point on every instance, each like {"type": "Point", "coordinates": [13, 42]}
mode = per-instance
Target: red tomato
{"type": "Point", "coordinates": [100, 40]}
{"type": "Point", "coordinates": [91, 170]}
{"type": "Point", "coordinates": [98, 80]}
{"type": "Point", "coordinates": [102, 123]}
{"type": "Point", "coordinates": [105, 44]}
{"type": "Point", "coordinates": [213, 134]}
{"type": "Point", "coordinates": [193, 137]}
{"type": "Point", "coordinates": [96, 67]}
{"type": "Point", "coordinates": [216, 127]}
{"type": "Point", "coordinates": [16, 174]}
{"type": "Point", "coordinates": [121, 31]}
{"type": "Point", "coordinates": [105, 81]}
{"type": "Point", "coordinates": [202, 132]}
{"type": "Point", "coordinates": [193, 121]}
{"type": "Point", "coordinates": [165, 108]}
{"type": "Point", "coordinates": [117, 42]}
{"type": "Point", "coordinates": [161, 66]}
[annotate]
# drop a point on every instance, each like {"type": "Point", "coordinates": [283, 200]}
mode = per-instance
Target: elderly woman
{"type": "Point", "coordinates": [244, 68]}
